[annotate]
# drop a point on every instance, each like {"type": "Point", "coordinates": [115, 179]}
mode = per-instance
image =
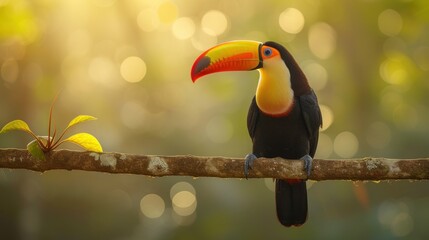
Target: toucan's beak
{"type": "Point", "coordinates": [229, 56]}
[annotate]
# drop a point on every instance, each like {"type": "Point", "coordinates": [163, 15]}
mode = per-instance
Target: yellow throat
{"type": "Point", "coordinates": [274, 95]}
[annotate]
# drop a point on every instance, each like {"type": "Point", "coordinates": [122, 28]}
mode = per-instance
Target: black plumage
{"type": "Point", "coordinates": [291, 136]}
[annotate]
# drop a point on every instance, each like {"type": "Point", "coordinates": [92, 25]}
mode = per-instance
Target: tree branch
{"type": "Point", "coordinates": [151, 165]}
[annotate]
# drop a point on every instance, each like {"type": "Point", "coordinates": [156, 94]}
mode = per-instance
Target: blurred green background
{"type": "Point", "coordinates": [128, 63]}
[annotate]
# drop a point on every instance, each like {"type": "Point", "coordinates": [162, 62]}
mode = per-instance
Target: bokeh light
{"type": "Point", "coordinates": [184, 203]}
{"type": "Point", "coordinates": [322, 40]}
{"type": "Point", "coordinates": [183, 28]}
{"type": "Point", "coordinates": [346, 144]}
{"type": "Point", "coordinates": [291, 20]}
{"type": "Point", "coordinates": [133, 69]}
{"type": "Point", "coordinates": [395, 216]}
{"type": "Point", "coordinates": [390, 22]}
{"type": "Point", "coordinates": [316, 74]}
{"type": "Point", "coordinates": [214, 23]}
{"type": "Point", "coordinates": [152, 205]}
{"type": "Point", "coordinates": [394, 69]}
{"type": "Point", "coordinates": [18, 20]}
{"type": "Point", "coordinates": [167, 12]}
{"type": "Point", "coordinates": [183, 198]}
{"type": "Point", "coordinates": [327, 116]}
{"type": "Point", "coordinates": [181, 186]}
{"type": "Point", "coordinates": [128, 63]}
{"type": "Point", "coordinates": [148, 20]}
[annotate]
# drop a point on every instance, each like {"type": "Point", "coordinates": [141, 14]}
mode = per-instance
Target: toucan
{"type": "Point", "coordinates": [284, 116]}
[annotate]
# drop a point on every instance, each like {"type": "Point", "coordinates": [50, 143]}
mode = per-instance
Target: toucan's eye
{"type": "Point", "coordinates": [268, 52]}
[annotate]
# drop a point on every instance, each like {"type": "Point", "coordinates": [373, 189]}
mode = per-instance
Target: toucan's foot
{"type": "Point", "coordinates": [248, 163]}
{"type": "Point", "coordinates": [308, 162]}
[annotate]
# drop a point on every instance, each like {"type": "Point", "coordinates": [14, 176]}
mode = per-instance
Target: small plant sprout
{"type": "Point", "coordinates": [43, 144]}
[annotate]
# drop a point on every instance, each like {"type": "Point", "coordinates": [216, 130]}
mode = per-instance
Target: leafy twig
{"type": "Point", "coordinates": [41, 144]}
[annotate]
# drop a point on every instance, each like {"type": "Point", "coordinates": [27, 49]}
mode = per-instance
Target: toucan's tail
{"type": "Point", "coordinates": [291, 202]}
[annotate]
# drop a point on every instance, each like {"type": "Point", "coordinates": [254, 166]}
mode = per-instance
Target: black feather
{"type": "Point", "coordinates": [291, 137]}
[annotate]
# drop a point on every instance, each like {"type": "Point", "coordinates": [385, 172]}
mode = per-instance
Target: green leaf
{"type": "Point", "coordinates": [86, 141]}
{"type": "Point", "coordinates": [79, 119]}
{"type": "Point", "coordinates": [43, 139]}
{"type": "Point", "coordinates": [16, 125]}
{"type": "Point", "coordinates": [34, 148]}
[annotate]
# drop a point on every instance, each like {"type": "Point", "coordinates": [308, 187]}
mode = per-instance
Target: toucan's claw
{"type": "Point", "coordinates": [308, 163]}
{"type": "Point", "coordinates": [248, 163]}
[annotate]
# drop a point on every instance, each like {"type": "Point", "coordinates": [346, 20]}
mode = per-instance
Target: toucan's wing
{"type": "Point", "coordinates": [312, 117]}
{"type": "Point", "coordinates": [252, 118]}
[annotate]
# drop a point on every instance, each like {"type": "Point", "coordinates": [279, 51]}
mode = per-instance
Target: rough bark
{"type": "Point", "coordinates": [368, 168]}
